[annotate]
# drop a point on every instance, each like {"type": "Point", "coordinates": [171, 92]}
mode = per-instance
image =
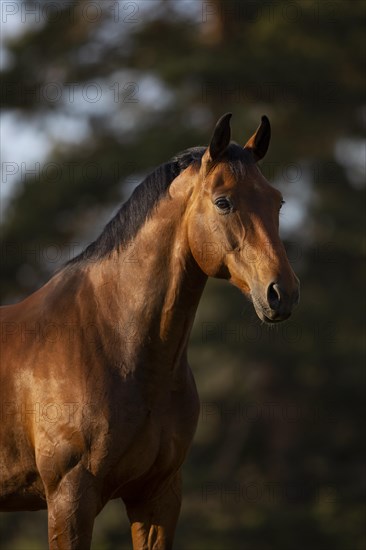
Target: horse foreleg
{"type": "Point", "coordinates": [153, 522]}
{"type": "Point", "coordinates": [72, 507]}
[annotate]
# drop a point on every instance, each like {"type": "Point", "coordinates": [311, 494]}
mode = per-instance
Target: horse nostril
{"type": "Point", "coordinates": [274, 295]}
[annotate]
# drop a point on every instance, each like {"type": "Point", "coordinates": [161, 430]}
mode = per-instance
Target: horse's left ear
{"type": "Point", "coordinates": [221, 136]}
{"type": "Point", "coordinates": [259, 142]}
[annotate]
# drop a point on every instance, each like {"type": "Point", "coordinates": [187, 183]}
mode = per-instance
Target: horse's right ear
{"type": "Point", "coordinates": [259, 142]}
{"type": "Point", "coordinates": [220, 138]}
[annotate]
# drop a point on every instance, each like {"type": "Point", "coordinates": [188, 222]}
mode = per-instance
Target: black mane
{"type": "Point", "coordinates": [135, 211]}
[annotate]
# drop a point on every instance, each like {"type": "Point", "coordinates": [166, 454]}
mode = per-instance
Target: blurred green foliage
{"type": "Point", "coordinates": [277, 462]}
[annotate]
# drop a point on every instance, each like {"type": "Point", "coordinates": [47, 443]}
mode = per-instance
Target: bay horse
{"type": "Point", "coordinates": [97, 398]}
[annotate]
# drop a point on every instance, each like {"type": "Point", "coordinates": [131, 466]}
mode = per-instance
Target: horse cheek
{"type": "Point", "coordinates": [205, 245]}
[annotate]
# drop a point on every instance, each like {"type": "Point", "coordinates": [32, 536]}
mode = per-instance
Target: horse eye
{"type": "Point", "coordinates": [223, 204]}
{"type": "Point", "coordinates": [282, 203]}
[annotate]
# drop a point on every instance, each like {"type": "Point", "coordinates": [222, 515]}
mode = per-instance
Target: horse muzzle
{"type": "Point", "coordinates": [277, 303]}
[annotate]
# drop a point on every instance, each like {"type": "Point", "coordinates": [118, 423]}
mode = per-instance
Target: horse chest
{"type": "Point", "coordinates": [160, 443]}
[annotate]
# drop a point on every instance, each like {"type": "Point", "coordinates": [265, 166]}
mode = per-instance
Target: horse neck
{"type": "Point", "coordinates": [148, 292]}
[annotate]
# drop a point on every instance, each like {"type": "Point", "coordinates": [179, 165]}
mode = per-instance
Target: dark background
{"type": "Point", "coordinates": [94, 96]}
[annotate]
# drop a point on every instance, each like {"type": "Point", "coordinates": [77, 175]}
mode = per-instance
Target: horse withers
{"type": "Point", "coordinates": [97, 398]}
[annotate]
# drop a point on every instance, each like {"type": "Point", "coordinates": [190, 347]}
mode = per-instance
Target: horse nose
{"type": "Point", "coordinates": [274, 296]}
{"type": "Point", "coordinates": [280, 301]}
